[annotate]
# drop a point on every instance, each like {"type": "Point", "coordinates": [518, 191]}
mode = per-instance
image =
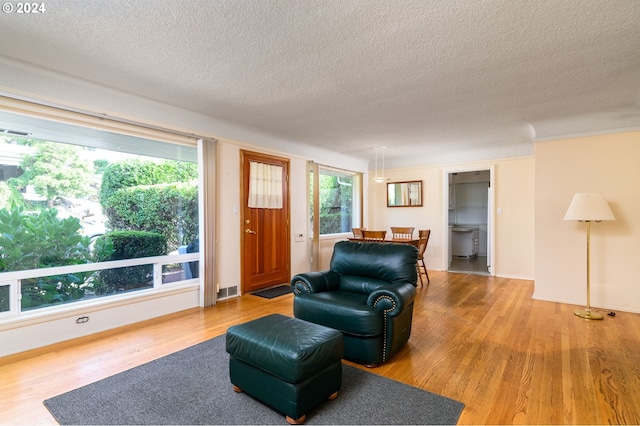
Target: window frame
{"type": "Point", "coordinates": [50, 117]}
{"type": "Point", "coordinates": [357, 197]}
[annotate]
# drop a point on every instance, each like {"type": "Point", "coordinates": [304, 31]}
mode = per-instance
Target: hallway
{"type": "Point", "coordinates": [476, 265]}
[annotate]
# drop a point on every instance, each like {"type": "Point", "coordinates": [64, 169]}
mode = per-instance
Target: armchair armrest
{"type": "Point", "coordinates": [392, 299]}
{"type": "Point", "coordinates": [314, 282]}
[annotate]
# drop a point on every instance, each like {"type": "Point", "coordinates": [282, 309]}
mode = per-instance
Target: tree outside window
{"type": "Point", "coordinates": [336, 202]}
{"type": "Point", "coordinates": [55, 170]}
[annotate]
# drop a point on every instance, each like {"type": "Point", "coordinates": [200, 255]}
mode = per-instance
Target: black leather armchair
{"type": "Point", "coordinates": [367, 293]}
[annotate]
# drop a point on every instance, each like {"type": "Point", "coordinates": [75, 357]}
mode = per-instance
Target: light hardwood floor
{"type": "Point", "coordinates": [480, 340]}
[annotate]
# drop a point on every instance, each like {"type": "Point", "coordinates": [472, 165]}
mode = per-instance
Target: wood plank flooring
{"type": "Point", "coordinates": [480, 340]}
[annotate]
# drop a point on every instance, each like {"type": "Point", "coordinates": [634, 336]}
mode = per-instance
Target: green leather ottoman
{"type": "Point", "coordinates": [288, 364]}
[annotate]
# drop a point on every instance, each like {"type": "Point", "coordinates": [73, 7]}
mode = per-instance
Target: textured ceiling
{"type": "Point", "coordinates": [434, 81]}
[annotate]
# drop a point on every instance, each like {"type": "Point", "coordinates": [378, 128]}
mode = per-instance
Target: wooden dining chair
{"type": "Point", "coordinates": [423, 240]}
{"type": "Point", "coordinates": [402, 233]}
{"type": "Point", "coordinates": [357, 232]}
{"type": "Point", "coordinates": [373, 235]}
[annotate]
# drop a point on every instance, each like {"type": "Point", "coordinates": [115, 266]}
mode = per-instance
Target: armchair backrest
{"type": "Point", "coordinates": [365, 266]}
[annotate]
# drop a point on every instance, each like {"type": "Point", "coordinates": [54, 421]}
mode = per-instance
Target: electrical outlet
{"type": "Point", "coordinates": [82, 320]}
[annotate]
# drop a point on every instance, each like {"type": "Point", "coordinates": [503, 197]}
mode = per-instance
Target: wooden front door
{"type": "Point", "coordinates": [265, 232]}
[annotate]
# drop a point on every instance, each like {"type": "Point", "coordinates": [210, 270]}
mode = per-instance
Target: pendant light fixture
{"type": "Point", "coordinates": [377, 178]}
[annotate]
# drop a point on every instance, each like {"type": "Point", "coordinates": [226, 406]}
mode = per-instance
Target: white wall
{"type": "Point", "coordinates": [37, 330]}
{"type": "Point", "coordinates": [609, 164]}
{"type": "Point", "coordinates": [298, 188]}
{"type": "Point", "coordinates": [228, 217]}
{"type": "Point", "coordinates": [514, 233]}
{"type": "Point", "coordinates": [514, 194]}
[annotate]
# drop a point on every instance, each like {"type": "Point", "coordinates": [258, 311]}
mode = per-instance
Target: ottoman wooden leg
{"type": "Point", "coordinates": [296, 421]}
{"type": "Point", "coordinates": [304, 416]}
{"type": "Point", "coordinates": [236, 389]}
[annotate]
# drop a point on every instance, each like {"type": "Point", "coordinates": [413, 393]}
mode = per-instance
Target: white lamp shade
{"type": "Point", "coordinates": [589, 206]}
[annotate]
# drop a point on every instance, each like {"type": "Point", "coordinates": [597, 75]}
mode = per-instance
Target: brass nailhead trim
{"type": "Point", "coordinates": [384, 333]}
{"type": "Point", "coordinates": [296, 290]}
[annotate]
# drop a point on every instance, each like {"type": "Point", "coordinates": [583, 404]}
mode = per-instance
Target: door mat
{"type": "Point", "coordinates": [270, 293]}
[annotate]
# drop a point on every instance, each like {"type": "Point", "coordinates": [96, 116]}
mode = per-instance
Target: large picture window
{"type": "Point", "coordinates": [86, 214]}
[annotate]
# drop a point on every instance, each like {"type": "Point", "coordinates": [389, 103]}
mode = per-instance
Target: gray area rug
{"type": "Point", "coordinates": [192, 387]}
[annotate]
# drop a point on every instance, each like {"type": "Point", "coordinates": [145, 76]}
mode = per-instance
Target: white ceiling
{"type": "Point", "coordinates": [434, 81]}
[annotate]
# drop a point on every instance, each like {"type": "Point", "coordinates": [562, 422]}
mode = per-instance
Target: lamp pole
{"type": "Point", "coordinates": [587, 312]}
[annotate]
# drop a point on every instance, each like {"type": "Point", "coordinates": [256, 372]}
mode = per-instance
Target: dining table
{"type": "Point", "coordinates": [412, 241]}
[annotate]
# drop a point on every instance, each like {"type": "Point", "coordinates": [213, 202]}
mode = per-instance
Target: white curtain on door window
{"type": "Point", "coordinates": [265, 186]}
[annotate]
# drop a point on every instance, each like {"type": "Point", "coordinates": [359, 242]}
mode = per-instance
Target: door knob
{"type": "Point", "coordinates": [249, 231]}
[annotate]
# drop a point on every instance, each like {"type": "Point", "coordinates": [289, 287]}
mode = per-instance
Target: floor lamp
{"type": "Point", "coordinates": [589, 207]}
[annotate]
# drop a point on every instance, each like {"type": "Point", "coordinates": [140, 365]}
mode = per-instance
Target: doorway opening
{"type": "Point", "coordinates": [469, 236]}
